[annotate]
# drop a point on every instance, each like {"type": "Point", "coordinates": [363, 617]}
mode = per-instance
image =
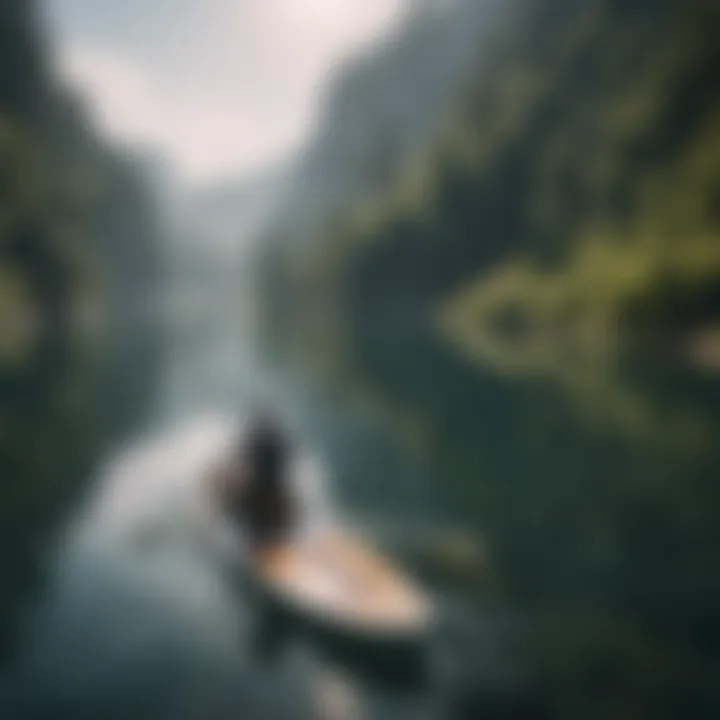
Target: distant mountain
{"type": "Point", "coordinates": [382, 107]}
{"type": "Point", "coordinates": [228, 215]}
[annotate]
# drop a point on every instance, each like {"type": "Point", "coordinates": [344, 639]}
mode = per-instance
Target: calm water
{"type": "Point", "coordinates": [569, 531]}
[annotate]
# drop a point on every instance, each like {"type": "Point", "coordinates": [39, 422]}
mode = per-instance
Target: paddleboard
{"type": "Point", "coordinates": [335, 579]}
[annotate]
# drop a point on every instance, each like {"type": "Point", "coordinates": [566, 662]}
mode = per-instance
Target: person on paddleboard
{"type": "Point", "coordinates": [257, 491]}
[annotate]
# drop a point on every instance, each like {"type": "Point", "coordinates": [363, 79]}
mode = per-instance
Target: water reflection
{"type": "Point", "coordinates": [140, 619]}
{"type": "Point", "coordinates": [145, 616]}
{"type": "Point", "coordinates": [572, 566]}
{"type": "Point", "coordinates": [603, 532]}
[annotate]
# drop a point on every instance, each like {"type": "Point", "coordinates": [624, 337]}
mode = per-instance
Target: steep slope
{"type": "Point", "coordinates": [77, 245]}
{"type": "Point", "coordinates": [22, 78]}
{"type": "Point", "coordinates": [586, 145]}
{"type": "Point", "coordinates": [380, 108]}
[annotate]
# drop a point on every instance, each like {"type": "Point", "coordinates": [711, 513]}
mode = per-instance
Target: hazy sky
{"type": "Point", "coordinates": [219, 86]}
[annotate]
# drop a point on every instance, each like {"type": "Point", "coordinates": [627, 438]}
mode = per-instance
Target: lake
{"type": "Point", "coordinates": [566, 524]}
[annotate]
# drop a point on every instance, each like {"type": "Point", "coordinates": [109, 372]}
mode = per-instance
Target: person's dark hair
{"type": "Point", "coordinates": [267, 446]}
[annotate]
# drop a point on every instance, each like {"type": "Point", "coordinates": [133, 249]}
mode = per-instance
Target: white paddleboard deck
{"type": "Point", "coordinates": [332, 575]}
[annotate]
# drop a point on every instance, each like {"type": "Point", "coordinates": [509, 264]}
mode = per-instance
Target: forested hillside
{"type": "Point", "coordinates": [380, 108]}
{"type": "Point", "coordinates": [568, 206]}
{"type": "Point", "coordinates": [77, 260]}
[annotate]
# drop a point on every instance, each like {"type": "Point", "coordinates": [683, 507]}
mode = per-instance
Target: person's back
{"type": "Point", "coordinates": [260, 496]}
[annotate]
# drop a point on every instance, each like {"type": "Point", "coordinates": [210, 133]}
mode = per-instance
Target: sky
{"type": "Point", "coordinates": [218, 87]}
